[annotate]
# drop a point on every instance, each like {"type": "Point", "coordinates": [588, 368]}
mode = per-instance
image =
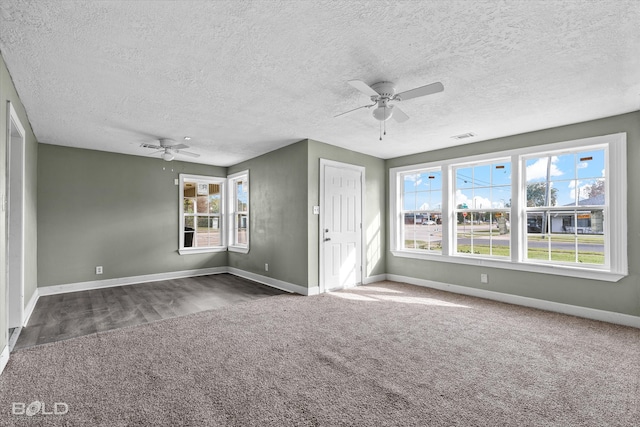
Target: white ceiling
{"type": "Point", "coordinates": [244, 78]}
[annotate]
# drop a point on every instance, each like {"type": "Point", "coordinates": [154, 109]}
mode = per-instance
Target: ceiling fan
{"type": "Point", "coordinates": [169, 148]}
{"type": "Point", "coordinates": [383, 94]}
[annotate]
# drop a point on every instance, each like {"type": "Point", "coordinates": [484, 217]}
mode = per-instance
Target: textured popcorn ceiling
{"type": "Point", "coordinates": [244, 78]}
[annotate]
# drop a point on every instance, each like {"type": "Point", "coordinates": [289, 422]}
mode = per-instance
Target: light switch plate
{"type": "Point", "coordinates": [316, 210]}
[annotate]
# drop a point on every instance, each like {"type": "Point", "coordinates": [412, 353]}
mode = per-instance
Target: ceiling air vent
{"type": "Point", "coordinates": [464, 135]}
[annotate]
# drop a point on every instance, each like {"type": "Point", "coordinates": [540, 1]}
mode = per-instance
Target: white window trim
{"type": "Point", "coordinates": [209, 179]}
{"type": "Point", "coordinates": [232, 246]}
{"type": "Point", "coordinates": [616, 243]}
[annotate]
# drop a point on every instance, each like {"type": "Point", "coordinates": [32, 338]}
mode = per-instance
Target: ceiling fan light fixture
{"type": "Point", "coordinates": [383, 113]}
{"type": "Point", "coordinates": [167, 156]}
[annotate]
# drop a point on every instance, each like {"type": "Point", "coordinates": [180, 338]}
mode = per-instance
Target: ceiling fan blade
{"type": "Point", "coordinates": [363, 87]}
{"type": "Point", "coordinates": [178, 146]}
{"type": "Point", "coordinates": [155, 147]}
{"type": "Point", "coordinates": [355, 109]}
{"type": "Point", "coordinates": [399, 115]}
{"type": "Point", "coordinates": [156, 152]}
{"type": "Point", "coordinates": [188, 153]}
{"type": "Point", "coordinates": [420, 91]}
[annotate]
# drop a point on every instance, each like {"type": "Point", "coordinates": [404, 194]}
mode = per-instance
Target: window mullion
{"type": "Point", "coordinates": [518, 206]}
{"type": "Point", "coordinates": [447, 213]}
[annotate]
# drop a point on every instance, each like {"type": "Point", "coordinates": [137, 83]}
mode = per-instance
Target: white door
{"type": "Point", "coordinates": [341, 225]}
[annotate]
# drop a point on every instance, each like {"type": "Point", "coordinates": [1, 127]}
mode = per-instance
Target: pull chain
{"type": "Point", "coordinates": [385, 122]}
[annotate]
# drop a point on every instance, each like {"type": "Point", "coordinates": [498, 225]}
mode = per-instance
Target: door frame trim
{"type": "Point", "coordinates": [363, 260]}
{"type": "Point", "coordinates": [15, 124]}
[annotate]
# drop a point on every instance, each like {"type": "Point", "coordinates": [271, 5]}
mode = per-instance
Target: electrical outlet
{"type": "Point", "coordinates": [484, 278]}
{"type": "Point", "coordinates": [266, 267]}
{"type": "Point", "coordinates": [99, 269]}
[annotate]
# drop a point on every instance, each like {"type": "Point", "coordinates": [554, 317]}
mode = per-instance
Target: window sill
{"type": "Point", "coordinates": [239, 249]}
{"type": "Point", "coordinates": [558, 270]}
{"type": "Point", "coordinates": [190, 251]}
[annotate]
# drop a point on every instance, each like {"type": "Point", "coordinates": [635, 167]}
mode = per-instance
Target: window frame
{"type": "Point", "coordinates": [568, 209]}
{"type": "Point", "coordinates": [473, 209]}
{"type": "Point", "coordinates": [201, 179]}
{"type": "Point", "coordinates": [403, 211]}
{"type": "Point", "coordinates": [616, 191]}
{"type": "Point", "coordinates": [233, 245]}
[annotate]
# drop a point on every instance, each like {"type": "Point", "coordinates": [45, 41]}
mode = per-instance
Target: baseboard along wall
{"type": "Point", "coordinates": [123, 281]}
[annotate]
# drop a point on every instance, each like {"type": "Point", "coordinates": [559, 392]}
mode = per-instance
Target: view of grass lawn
{"type": "Point", "coordinates": [586, 238]}
{"type": "Point", "coordinates": [582, 238]}
{"type": "Point", "coordinates": [421, 244]}
{"type": "Point", "coordinates": [481, 249]}
{"type": "Point", "coordinates": [538, 253]}
{"type": "Point", "coordinates": [586, 257]}
{"type": "Point", "coordinates": [567, 256]}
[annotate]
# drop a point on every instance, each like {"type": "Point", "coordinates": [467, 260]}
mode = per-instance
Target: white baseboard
{"type": "Point", "coordinates": [574, 310]}
{"type": "Point", "coordinates": [374, 279]}
{"type": "Point", "coordinates": [121, 281]}
{"type": "Point", "coordinates": [107, 283]}
{"type": "Point", "coordinates": [4, 358]}
{"type": "Point", "coordinates": [274, 283]}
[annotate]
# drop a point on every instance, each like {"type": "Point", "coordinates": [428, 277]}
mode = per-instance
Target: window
{"type": "Point", "coordinates": [214, 213]}
{"type": "Point", "coordinates": [201, 214]}
{"type": "Point", "coordinates": [421, 227]}
{"type": "Point", "coordinates": [239, 212]}
{"type": "Point", "coordinates": [481, 214]}
{"type": "Point", "coordinates": [557, 209]}
{"type": "Point", "coordinates": [566, 207]}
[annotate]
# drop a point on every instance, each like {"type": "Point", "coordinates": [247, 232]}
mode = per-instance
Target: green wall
{"type": "Point", "coordinates": [284, 231]}
{"type": "Point", "coordinates": [622, 296]}
{"type": "Point", "coordinates": [277, 215]}
{"type": "Point", "coordinates": [8, 93]}
{"type": "Point", "coordinates": [114, 210]}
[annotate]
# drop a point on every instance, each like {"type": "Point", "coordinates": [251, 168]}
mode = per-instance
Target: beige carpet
{"type": "Point", "coordinates": [380, 355]}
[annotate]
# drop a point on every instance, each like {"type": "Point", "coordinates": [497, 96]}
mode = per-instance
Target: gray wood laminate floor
{"type": "Point", "coordinates": [64, 316]}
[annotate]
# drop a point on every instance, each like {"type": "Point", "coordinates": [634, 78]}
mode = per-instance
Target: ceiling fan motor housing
{"type": "Point", "coordinates": [385, 89]}
{"type": "Point", "coordinates": [166, 142]}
